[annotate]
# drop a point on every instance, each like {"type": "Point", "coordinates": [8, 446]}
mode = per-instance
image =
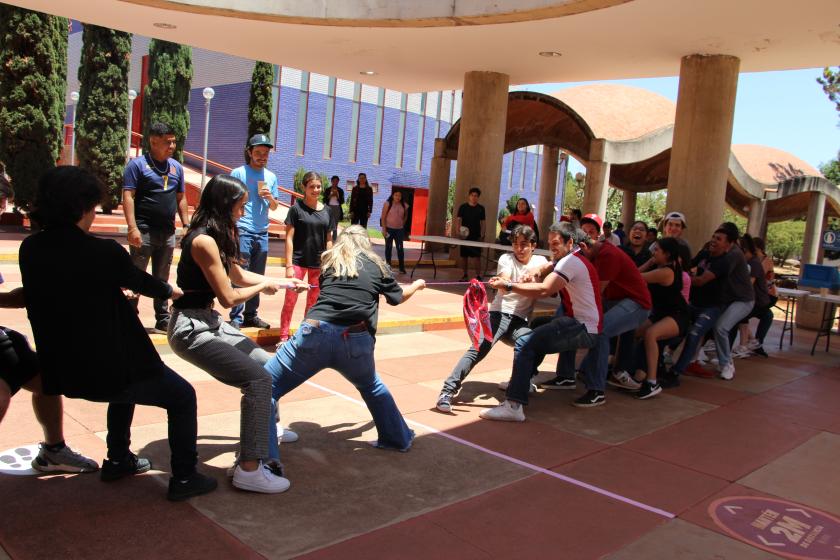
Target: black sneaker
{"type": "Point", "coordinates": [668, 380]}
{"type": "Point", "coordinates": [194, 485]}
{"type": "Point", "coordinates": [162, 326]}
{"type": "Point", "coordinates": [759, 351]}
{"type": "Point", "coordinates": [590, 399]}
{"type": "Point", "coordinates": [559, 384]}
{"type": "Point", "coordinates": [649, 390]}
{"type": "Point", "coordinates": [131, 465]}
{"type": "Point", "coordinates": [255, 322]}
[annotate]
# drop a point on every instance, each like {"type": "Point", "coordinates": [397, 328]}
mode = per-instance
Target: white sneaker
{"type": "Point", "coordinates": [508, 411]}
{"type": "Point", "coordinates": [503, 385]}
{"type": "Point", "coordinates": [740, 352]}
{"type": "Point", "coordinates": [701, 356]}
{"type": "Point", "coordinates": [727, 372]}
{"type": "Point", "coordinates": [624, 380]}
{"type": "Point", "coordinates": [260, 480]}
{"type": "Point", "coordinates": [710, 347]}
{"type": "Point", "coordinates": [287, 435]}
{"type": "Point", "coordinates": [753, 344]}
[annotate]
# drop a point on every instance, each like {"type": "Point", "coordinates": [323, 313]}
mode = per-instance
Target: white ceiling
{"type": "Point", "coordinates": [637, 39]}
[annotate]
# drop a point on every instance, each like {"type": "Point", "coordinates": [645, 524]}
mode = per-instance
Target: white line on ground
{"type": "Point", "coordinates": [516, 461]}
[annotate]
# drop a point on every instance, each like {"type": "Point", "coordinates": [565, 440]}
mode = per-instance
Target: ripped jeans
{"type": "Point", "coordinates": [704, 319]}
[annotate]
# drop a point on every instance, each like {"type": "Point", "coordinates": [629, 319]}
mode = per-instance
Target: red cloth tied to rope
{"type": "Point", "coordinates": [476, 314]}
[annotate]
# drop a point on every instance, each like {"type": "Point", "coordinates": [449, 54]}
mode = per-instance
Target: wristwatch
{"type": "Point", "coordinates": [509, 286]}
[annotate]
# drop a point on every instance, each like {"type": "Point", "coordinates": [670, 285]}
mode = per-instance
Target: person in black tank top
{"type": "Point", "coordinates": [669, 317]}
{"type": "Point", "coordinates": [208, 267]}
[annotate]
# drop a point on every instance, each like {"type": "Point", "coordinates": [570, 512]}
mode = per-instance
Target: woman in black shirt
{"type": "Point", "coordinates": [309, 226]}
{"type": "Point", "coordinates": [338, 332]}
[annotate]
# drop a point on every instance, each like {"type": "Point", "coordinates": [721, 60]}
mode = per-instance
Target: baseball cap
{"type": "Point", "coordinates": [593, 219]}
{"type": "Point", "coordinates": [675, 216]}
{"type": "Point", "coordinates": [259, 140]}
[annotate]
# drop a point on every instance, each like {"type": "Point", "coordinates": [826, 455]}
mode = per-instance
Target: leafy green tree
{"type": "Point", "coordinates": [784, 240]}
{"type": "Point", "coordinates": [831, 171]}
{"type": "Point", "coordinates": [102, 117]}
{"type": "Point", "coordinates": [830, 82]}
{"type": "Point", "coordinates": [168, 91]}
{"type": "Point", "coordinates": [259, 105]}
{"type": "Point", "coordinates": [33, 81]}
{"type": "Point", "coordinates": [650, 207]}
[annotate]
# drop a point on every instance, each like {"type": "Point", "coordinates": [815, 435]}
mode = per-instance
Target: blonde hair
{"type": "Point", "coordinates": [352, 243]}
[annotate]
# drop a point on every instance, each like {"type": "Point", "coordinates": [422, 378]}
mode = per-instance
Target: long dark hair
{"type": "Point", "coordinates": [675, 250]}
{"type": "Point", "coordinates": [390, 200]}
{"type": "Point", "coordinates": [215, 214]}
{"type": "Point", "coordinates": [516, 206]}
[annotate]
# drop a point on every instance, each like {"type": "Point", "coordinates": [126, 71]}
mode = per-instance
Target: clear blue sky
{"type": "Point", "coordinates": [785, 110]}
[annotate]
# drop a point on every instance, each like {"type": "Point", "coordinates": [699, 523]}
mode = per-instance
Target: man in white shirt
{"type": "Point", "coordinates": [574, 273]}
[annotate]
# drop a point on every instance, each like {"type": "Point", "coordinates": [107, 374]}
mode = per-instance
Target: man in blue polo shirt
{"type": "Point", "coordinates": [253, 225]}
{"type": "Point", "coordinates": [153, 190]}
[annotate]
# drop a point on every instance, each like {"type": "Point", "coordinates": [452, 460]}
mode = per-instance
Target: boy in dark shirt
{"type": "Point", "coordinates": [471, 216]}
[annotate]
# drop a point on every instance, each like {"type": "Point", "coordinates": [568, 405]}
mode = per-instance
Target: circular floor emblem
{"type": "Point", "coordinates": [785, 528]}
{"type": "Point", "coordinates": [18, 460]}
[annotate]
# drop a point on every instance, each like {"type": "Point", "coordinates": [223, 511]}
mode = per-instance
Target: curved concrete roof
{"type": "Point", "coordinates": [636, 128]}
{"type": "Point", "coordinates": [618, 112]}
{"type": "Point", "coordinates": [633, 39]}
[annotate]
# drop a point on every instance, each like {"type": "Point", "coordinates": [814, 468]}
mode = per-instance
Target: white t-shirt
{"type": "Point", "coordinates": [614, 239]}
{"type": "Point", "coordinates": [519, 305]}
{"type": "Point", "coordinates": [584, 290]}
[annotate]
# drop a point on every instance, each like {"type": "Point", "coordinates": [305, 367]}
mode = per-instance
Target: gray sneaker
{"type": "Point", "coordinates": [64, 460]}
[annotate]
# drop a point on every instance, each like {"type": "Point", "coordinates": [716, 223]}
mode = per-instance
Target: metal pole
{"type": "Point", "coordinates": [74, 97]}
{"type": "Point", "coordinates": [132, 95]}
{"type": "Point", "coordinates": [206, 133]}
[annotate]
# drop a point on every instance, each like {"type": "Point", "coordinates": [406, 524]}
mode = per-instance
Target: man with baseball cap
{"type": "Point", "coordinates": [253, 225]}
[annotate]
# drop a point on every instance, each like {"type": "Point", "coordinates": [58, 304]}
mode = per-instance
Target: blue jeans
{"type": "Point", "coordinates": [704, 320]}
{"type": "Point", "coordinates": [253, 252]}
{"type": "Point", "coordinates": [730, 317]}
{"type": "Point", "coordinates": [313, 348]}
{"type": "Point", "coordinates": [620, 316]}
{"type": "Point", "coordinates": [398, 236]}
{"type": "Point", "coordinates": [559, 335]}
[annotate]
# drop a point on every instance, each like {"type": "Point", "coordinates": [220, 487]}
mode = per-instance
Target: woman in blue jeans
{"type": "Point", "coordinates": [394, 216]}
{"type": "Point", "coordinates": [338, 332]}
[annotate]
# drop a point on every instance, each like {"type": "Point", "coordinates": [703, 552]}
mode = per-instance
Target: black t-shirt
{"type": "Point", "coordinates": [347, 301]}
{"type": "Point", "coordinates": [707, 295]}
{"type": "Point", "coordinates": [639, 258]}
{"type": "Point", "coordinates": [471, 218]}
{"type": "Point", "coordinates": [762, 298]}
{"type": "Point", "coordinates": [734, 274]}
{"type": "Point", "coordinates": [311, 229]}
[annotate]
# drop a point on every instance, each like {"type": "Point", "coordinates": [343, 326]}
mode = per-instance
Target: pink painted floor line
{"type": "Point", "coordinates": [516, 461]}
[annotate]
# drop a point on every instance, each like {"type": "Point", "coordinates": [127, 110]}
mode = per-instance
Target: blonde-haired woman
{"type": "Point", "coordinates": [338, 332]}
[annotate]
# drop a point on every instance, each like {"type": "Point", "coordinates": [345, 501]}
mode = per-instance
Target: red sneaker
{"type": "Point", "coordinates": [697, 370]}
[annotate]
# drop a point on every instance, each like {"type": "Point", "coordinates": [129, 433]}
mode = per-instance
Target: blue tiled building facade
{"type": "Point", "coordinates": [323, 124]}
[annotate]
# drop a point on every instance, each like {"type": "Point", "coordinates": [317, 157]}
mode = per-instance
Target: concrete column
{"type": "Point", "coordinates": [628, 209]}
{"type": "Point", "coordinates": [813, 228]}
{"type": "Point", "coordinates": [757, 220]}
{"type": "Point", "coordinates": [482, 141]}
{"type": "Point", "coordinates": [597, 180]}
{"type": "Point", "coordinates": [438, 190]}
{"type": "Point", "coordinates": [702, 142]}
{"type": "Point", "coordinates": [548, 190]}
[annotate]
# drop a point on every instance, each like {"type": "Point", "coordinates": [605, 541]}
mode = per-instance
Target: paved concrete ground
{"type": "Point", "coordinates": [629, 480]}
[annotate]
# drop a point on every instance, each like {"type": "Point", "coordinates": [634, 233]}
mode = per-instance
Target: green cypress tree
{"type": "Point", "coordinates": [259, 105]}
{"type": "Point", "coordinates": [102, 117]}
{"type": "Point", "coordinates": [168, 91]}
{"type": "Point", "coordinates": [33, 82]}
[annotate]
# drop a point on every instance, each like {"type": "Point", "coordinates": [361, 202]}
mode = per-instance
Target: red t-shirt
{"type": "Point", "coordinates": [625, 280]}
